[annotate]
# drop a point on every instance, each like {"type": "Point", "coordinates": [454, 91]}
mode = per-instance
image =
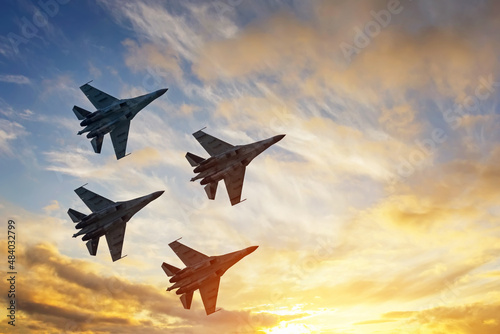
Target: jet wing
{"type": "Point", "coordinates": [92, 200]}
{"type": "Point", "coordinates": [114, 237]}
{"type": "Point", "coordinates": [98, 98]}
{"type": "Point", "coordinates": [211, 144]}
{"type": "Point", "coordinates": [119, 137]}
{"type": "Point", "coordinates": [208, 292]}
{"type": "Point", "coordinates": [187, 255]}
{"type": "Point", "coordinates": [234, 184]}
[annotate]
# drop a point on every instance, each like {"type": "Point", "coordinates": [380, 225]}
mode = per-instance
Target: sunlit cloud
{"type": "Point", "coordinates": [54, 205]}
{"type": "Point", "coordinates": [77, 298]}
{"type": "Point", "coordinates": [376, 213]}
{"type": "Point", "coordinates": [9, 132]}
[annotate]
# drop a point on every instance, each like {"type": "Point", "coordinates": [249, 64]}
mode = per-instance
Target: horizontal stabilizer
{"type": "Point", "coordinates": [193, 159]}
{"type": "Point", "coordinates": [186, 300]}
{"type": "Point", "coordinates": [92, 246]}
{"type": "Point", "coordinates": [97, 143]}
{"type": "Point", "coordinates": [80, 112]}
{"type": "Point", "coordinates": [211, 189]}
{"type": "Point", "coordinates": [169, 269]}
{"type": "Point", "coordinates": [76, 216]}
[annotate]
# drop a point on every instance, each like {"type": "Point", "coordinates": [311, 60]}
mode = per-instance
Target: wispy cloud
{"type": "Point", "coordinates": [365, 221]}
{"type": "Point", "coordinates": [17, 79]}
{"type": "Point", "coordinates": [9, 132]}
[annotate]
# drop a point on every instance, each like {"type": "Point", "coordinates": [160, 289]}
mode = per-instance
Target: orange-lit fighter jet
{"type": "Point", "coordinates": [202, 272]}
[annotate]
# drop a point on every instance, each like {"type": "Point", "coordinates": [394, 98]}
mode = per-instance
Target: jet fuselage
{"type": "Point", "coordinates": [192, 277]}
{"type": "Point", "coordinates": [217, 167]}
{"type": "Point", "coordinates": [103, 121]}
{"type": "Point", "coordinates": [98, 223]}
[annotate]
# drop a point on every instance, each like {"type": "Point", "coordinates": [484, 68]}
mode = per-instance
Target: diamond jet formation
{"type": "Point", "coordinates": [201, 272]}
{"type": "Point", "coordinates": [112, 116]}
{"type": "Point", "coordinates": [226, 162]}
{"type": "Point", "coordinates": [107, 218]}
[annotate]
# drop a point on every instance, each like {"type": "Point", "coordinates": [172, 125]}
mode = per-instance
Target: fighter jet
{"type": "Point", "coordinates": [202, 272]}
{"type": "Point", "coordinates": [112, 116]}
{"type": "Point", "coordinates": [107, 218]}
{"type": "Point", "coordinates": [226, 162]}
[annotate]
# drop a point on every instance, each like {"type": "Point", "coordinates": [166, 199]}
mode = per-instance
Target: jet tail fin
{"type": "Point", "coordinates": [80, 113]}
{"type": "Point", "coordinates": [97, 143]}
{"type": "Point", "coordinates": [193, 159]}
{"type": "Point", "coordinates": [92, 246]}
{"type": "Point", "coordinates": [76, 216]}
{"type": "Point", "coordinates": [186, 300]}
{"type": "Point", "coordinates": [169, 269]}
{"type": "Point", "coordinates": [211, 189]}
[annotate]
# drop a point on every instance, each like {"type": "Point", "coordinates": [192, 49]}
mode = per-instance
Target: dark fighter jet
{"type": "Point", "coordinates": [107, 218]}
{"type": "Point", "coordinates": [226, 162]}
{"type": "Point", "coordinates": [112, 116]}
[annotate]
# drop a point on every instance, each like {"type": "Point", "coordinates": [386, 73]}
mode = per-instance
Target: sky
{"type": "Point", "coordinates": [377, 213]}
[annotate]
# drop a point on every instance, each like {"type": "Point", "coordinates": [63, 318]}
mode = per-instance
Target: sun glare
{"type": "Point", "coordinates": [286, 328]}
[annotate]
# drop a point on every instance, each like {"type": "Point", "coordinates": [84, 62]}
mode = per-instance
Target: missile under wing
{"type": "Point", "coordinates": [108, 218]}
{"type": "Point", "coordinates": [227, 162]}
{"type": "Point", "coordinates": [202, 273]}
{"type": "Point", "coordinates": [112, 116]}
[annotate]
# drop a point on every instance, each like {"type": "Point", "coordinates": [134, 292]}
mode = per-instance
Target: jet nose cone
{"type": "Point", "coordinates": [252, 249]}
{"type": "Point", "coordinates": [278, 138]}
{"type": "Point", "coordinates": [157, 194]}
{"type": "Point", "coordinates": [161, 92]}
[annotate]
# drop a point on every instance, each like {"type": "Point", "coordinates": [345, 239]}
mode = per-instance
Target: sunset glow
{"type": "Point", "coordinates": [378, 212]}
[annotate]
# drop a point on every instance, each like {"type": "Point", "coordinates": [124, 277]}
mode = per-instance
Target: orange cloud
{"type": "Point", "coordinates": [297, 51]}
{"type": "Point", "coordinates": [468, 319]}
{"type": "Point", "coordinates": [160, 62]}
{"type": "Point", "coordinates": [57, 293]}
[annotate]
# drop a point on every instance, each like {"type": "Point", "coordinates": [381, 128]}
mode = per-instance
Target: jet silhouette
{"type": "Point", "coordinates": [112, 116]}
{"type": "Point", "coordinates": [202, 272]}
{"type": "Point", "coordinates": [107, 218]}
{"type": "Point", "coordinates": [226, 162]}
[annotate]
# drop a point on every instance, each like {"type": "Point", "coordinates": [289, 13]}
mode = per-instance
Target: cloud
{"type": "Point", "coordinates": [297, 51]}
{"type": "Point", "coordinates": [371, 322]}
{"type": "Point", "coordinates": [9, 132]}
{"type": "Point", "coordinates": [93, 70]}
{"type": "Point", "coordinates": [397, 314]}
{"type": "Point", "coordinates": [189, 24]}
{"type": "Point", "coordinates": [161, 63]}
{"type": "Point", "coordinates": [54, 205]}
{"type": "Point", "coordinates": [17, 79]}
{"type": "Point", "coordinates": [465, 319]}
{"type": "Point", "coordinates": [61, 86]}
{"type": "Point", "coordinates": [345, 239]}
{"type": "Point", "coordinates": [78, 298]}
